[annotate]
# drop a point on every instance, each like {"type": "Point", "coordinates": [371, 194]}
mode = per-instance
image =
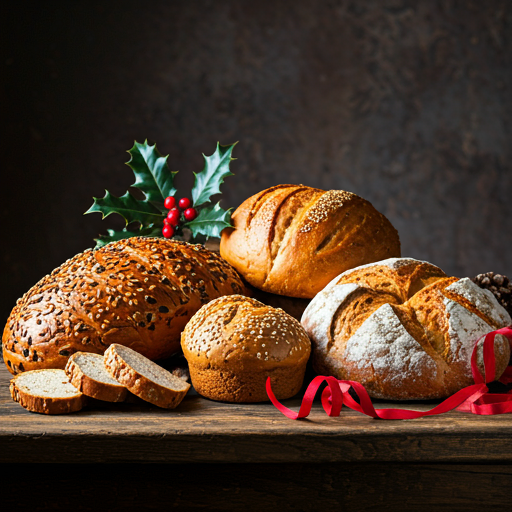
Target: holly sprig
{"type": "Point", "coordinates": [151, 216]}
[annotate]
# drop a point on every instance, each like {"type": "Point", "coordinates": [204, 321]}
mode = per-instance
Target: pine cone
{"type": "Point", "coordinates": [499, 285]}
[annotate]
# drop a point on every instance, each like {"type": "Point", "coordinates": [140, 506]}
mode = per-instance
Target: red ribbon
{"type": "Point", "coordinates": [475, 399]}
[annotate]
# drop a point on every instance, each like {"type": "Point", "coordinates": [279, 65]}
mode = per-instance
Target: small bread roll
{"type": "Point", "coordinates": [232, 345]}
{"type": "Point", "coordinates": [293, 240]}
{"type": "Point", "coordinates": [86, 371]}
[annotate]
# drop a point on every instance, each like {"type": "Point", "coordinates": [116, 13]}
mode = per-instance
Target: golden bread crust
{"type": "Point", "coordinates": [139, 292]}
{"type": "Point", "coordinates": [234, 343]}
{"type": "Point", "coordinates": [292, 240]}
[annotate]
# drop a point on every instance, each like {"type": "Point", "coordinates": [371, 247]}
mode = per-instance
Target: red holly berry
{"type": "Point", "coordinates": [168, 231]}
{"type": "Point", "coordinates": [173, 216]}
{"type": "Point", "coordinates": [185, 203]}
{"type": "Point", "coordinates": [190, 213]}
{"type": "Point", "coordinates": [170, 202]}
{"type": "Point", "coordinates": [167, 222]}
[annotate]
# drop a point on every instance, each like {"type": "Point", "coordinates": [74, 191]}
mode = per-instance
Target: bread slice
{"type": "Point", "coordinates": [46, 391]}
{"type": "Point", "coordinates": [87, 372]}
{"type": "Point", "coordinates": [144, 378]}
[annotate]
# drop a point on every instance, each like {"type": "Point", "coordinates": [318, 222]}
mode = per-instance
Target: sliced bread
{"type": "Point", "coordinates": [87, 372]}
{"type": "Point", "coordinates": [144, 378]}
{"type": "Point", "coordinates": [46, 391]}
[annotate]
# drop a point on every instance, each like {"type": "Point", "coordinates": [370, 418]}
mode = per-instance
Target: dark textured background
{"type": "Point", "coordinates": [406, 103]}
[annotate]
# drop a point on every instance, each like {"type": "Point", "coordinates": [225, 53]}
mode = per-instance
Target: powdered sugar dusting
{"type": "Point", "coordinates": [464, 329]}
{"type": "Point", "coordinates": [384, 343]}
{"type": "Point", "coordinates": [482, 299]}
{"type": "Point", "coordinates": [318, 316]}
{"type": "Point", "coordinates": [396, 263]}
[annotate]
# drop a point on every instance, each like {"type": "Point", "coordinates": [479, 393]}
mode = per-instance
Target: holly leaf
{"type": "Point", "coordinates": [216, 168]}
{"type": "Point", "coordinates": [131, 209]}
{"type": "Point", "coordinates": [152, 174]}
{"type": "Point", "coordinates": [154, 179]}
{"type": "Point", "coordinates": [210, 221]}
{"type": "Point", "coordinates": [114, 235]}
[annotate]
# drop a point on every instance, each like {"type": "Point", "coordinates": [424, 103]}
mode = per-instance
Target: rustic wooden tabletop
{"type": "Point", "coordinates": [205, 449]}
{"type": "Point", "coordinates": [137, 431]}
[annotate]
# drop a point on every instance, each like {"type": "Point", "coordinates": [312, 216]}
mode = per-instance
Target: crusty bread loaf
{"type": "Point", "coordinates": [403, 329]}
{"type": "Point", "coordinates": [144, 378]}
{"type": "Point", "coordinates": [232, 345]}
{"type": "Point", "coordinates": [87, 372]}
{"type": "Point", "coordinates": [292, 240]}
{"type": "Point", "coordinates": [46, 392]}
{"type": "Point", "coordinates": [139, 292]}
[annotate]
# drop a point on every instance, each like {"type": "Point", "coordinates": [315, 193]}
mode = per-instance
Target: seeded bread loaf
{"type": "Point", "coordinates": [403, 329]}
{"type": "Point", "coordinates": [232, 345]}
{"type": "Point", "coordinates": [46, 392]}
{"type": "Point", "coordinates": [87, 372]}
{"type": "Point", "coordinates": [292, 240]}
{"type": "Point", "coordinates": [138, 292]}
{"type": "Point", "coordinates": [144, 378]}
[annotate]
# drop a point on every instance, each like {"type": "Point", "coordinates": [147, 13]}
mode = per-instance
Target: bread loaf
{"type": "Point", "coordinates": [292, 240]}
{"type": "Point", "coordinates": [232, 345]}
{"type": "Point", "coordinates": [403, 329]}
{"type": "Point", "coordinates": [138, 292]}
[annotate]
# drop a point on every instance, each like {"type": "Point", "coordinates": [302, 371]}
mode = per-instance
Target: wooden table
{"type": "Point", "coordinates": [216, 456]}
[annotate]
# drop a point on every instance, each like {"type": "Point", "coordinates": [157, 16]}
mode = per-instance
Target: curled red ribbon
{"type": "Point", "coordinates": [475, 399]}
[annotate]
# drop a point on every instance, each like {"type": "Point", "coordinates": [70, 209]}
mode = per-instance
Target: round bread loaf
{"type": "Point", "coordinates": [403, 329]}
{"type": "Point", "coordinates": [138, 292]}
{"type": "Point", "coordinates": [292, 240]}
{"type": "Point", "coordinates": [234, 343]}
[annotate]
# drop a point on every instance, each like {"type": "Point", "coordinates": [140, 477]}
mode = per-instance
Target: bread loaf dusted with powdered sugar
{"type": "Point", "coordinates": [403, 329]}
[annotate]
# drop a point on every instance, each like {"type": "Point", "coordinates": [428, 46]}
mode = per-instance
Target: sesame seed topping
{"type": "Point", "coordinates": [326, 205]}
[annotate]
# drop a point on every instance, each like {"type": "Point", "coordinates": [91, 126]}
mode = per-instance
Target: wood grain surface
{"type": "Point", "coordinates": [203, 431]}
